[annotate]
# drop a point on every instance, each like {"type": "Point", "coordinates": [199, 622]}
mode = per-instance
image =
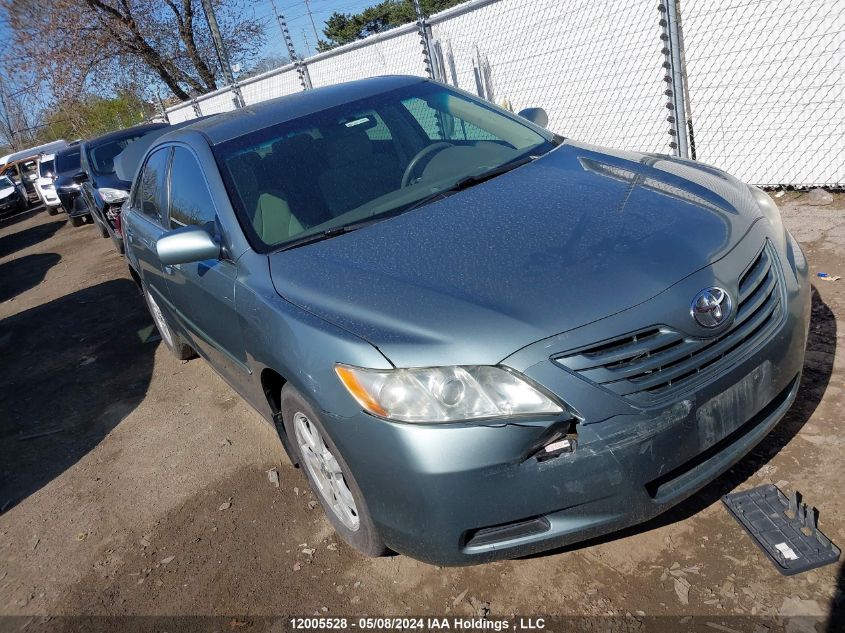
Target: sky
{"type": "Point", "coordinates": [296, 14]}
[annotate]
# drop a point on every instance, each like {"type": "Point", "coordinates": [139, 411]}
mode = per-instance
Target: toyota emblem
{"type": "Point", "coordinates": [711, 307]}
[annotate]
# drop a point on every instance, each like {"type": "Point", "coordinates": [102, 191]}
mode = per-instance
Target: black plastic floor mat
{"type": "Point", "coordinates": [784, 528]}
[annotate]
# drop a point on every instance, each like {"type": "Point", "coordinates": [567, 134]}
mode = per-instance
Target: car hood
{"type": "Point", "coordinates": [100, 181]}
{"type": "Point", "coordinates": [65, 180]}
{"type": "Point", "coordinates": [577, 235]}
{"type": "Point", "coordinates": [5, 192]}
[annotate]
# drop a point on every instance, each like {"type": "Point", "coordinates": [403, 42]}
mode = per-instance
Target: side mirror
{"type": "Point", "coordinates": [537, 116]}
{"type": "Point", "coordinates": [186, 245]}
{"type": "Point", "coordinates": [80, 177]}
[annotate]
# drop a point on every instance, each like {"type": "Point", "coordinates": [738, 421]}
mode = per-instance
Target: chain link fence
{"type": "Point", "coordinates": [755, 87]}
{"type": "Point", "coordinates": [766, 84]}
{"type": "Point", "coordinates": [594, 67]}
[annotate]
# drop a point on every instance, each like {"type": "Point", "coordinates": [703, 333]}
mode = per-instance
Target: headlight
{"type": "Point", "coordinates": [771, 211]}
{"type": "Point", "coordinates": [113, 196]}
{"type": "Point", "coordinates": [444, 394]}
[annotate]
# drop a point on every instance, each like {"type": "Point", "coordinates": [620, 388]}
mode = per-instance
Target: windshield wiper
{"type": "Point", "coordinates": [470, 181]}
{"type": "Point", "coordinates": [329, 233]}
{"type": "Point", "coordinates": [318, 237]}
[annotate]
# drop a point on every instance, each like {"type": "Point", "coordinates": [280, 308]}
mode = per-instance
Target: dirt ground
{"type": "Point", "coordinates": [116, 461]}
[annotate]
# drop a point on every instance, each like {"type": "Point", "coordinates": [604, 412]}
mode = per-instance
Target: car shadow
{"type": "Point", "coordinates": [23, 273]}
{"type": "Point", "coordinates": [72, 369]}
{"type": "Point", "coordinates": [20, 217]}
{"type": "Point", "coordinates": [817, 371]}
{"type": "Point", "coordinates": [15, 242]}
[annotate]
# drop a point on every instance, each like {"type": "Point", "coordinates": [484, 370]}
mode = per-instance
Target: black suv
{"type": "Point", "coordinates": [103, 191]}
{"type": "Point", "coordinates": [67, 169]}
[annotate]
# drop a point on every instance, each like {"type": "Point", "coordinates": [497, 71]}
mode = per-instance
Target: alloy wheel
{"type": "Point", "coordinates": [325, 471]}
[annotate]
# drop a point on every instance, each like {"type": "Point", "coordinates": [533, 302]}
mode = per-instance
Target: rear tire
{"type": "Point", "coordinates": [174, 342]}
{"type": "Point", "coordinates": [329, 475]}
{"type": "Point", "coordinates": [53, 210]}
{"type": "Point", "coordinates": [78, 220]}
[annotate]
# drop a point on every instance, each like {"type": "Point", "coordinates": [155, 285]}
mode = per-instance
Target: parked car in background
{"type": "Point", "coordinates": [47, 148]}
{"type": "Point", "coordinates": [24, 172]}
{"type": "Point", "coordinates": [67, 170]}
{"type": "Point", "coordinates": [126, 166]}
{"type": "Point", "coordinates": [478, 339]}
{"type": "Point", "coordinates": [103, 192]}
{"type": "Point", "coordinates": [44, 183]}
{"type": "Point", "coordinates": [12, 198]}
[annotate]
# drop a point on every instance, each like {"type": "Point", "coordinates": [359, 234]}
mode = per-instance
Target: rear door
{"type": "Point", "coordinates": [203, 293]}
{"type": "Point", "coordinates": [149, 201]}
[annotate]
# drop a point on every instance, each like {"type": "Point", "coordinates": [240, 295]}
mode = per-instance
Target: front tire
{"type": "Point", "coordinates": [53, 210]}
{"type": "Point", "coordinates": [329, 475]}
{"type": "Point", "coordinates": [78, 220]}
{"type": "Point", "coordinates": [174, 342]}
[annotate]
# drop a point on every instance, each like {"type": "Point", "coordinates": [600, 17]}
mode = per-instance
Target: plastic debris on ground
{"type": "Point", "coordinates": [783, 527]}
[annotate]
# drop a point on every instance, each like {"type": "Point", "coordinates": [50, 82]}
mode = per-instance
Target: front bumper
{"type": "Point", "coordinates": [432, 490]}
{"type": "Point", "coordinates": [68, 200]}
{"type": "Point", "coordinates": [9, 205]}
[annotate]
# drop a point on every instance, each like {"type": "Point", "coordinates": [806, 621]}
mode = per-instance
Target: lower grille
{"type": "Point", "coordinates": [657, 362]}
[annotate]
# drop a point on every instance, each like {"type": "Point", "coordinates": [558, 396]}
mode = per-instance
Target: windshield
{"type": "Point", "coordinates": [67, 161]}
{"type": "Point", "coordinates": [102, 156]}
{"type": "Point", "coordinates": [5, 182]}
{"type": "Point", "coordinates": [365, 160]}
{"type": "Point", "coordinates": [46, 168]}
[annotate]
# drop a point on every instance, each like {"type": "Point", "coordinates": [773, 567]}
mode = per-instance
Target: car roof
{"type": "Point", "coordinates": [32, 151]}
{"type": "Point", "coordinates": [121, 134]}
{"type": "Point", "coordinates": [70, 149]}
{"type": "Point", "coordinates": [228, 125]}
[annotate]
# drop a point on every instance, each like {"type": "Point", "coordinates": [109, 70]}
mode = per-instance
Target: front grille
{"type": "Point", "coordinates": [657, 362]}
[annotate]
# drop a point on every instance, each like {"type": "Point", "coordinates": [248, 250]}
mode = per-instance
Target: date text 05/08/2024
{"type": "Point", "coordinates": [421, 624]}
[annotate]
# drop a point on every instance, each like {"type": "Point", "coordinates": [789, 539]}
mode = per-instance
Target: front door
{"type": "Point", "coordinates": [203, 293]}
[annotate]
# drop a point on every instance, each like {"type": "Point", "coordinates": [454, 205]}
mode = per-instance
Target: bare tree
{"type": "Point", "coordinates": [20, 116]}
{"type": "Point", "coordinates": [98, 43]}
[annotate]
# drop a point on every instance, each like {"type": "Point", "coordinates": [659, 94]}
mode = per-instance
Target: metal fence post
{"type": "Point", "coordinates": [162, 111]}
{"type": "Point", "coordinates": [222, 53]}
{"type": "Point", "coordinates": [425, 40]}
{"type": "Point", "coordinates": [674, 77]}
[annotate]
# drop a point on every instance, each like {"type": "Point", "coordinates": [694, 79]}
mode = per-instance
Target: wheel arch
{"type": "Point", "coordinates": [272, 383]}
